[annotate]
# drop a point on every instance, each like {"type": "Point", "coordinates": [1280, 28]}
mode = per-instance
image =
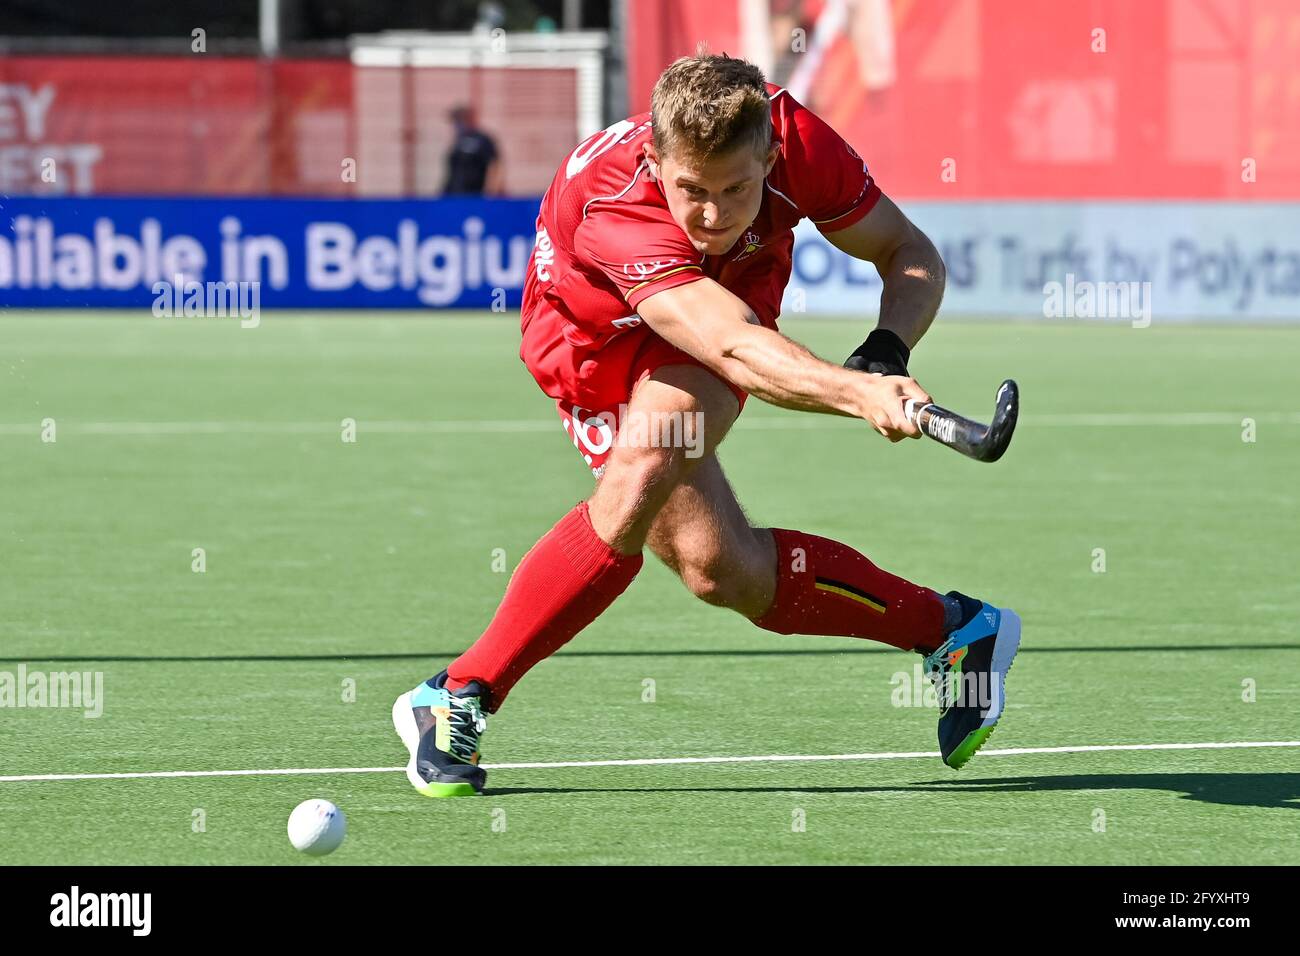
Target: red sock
{"type": "Point", "coordinates": [563, 584]}
{"type": "Point", "coordinates": [824, 587]}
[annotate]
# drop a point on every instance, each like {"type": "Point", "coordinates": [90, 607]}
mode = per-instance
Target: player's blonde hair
{"type": "Point", "coordinates": [709, 104]}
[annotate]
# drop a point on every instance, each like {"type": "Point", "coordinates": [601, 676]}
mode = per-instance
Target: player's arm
{"type": "Point", "coordinates": [715, 326]}
{"type": "Point", "coordinates": [913, 275]}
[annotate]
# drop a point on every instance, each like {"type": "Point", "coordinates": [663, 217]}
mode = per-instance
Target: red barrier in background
{"type": "Point", "coordinates": [947, 99]}
{"type": "Point", "coordinates": [242, 126]}
{"type": "Point", "coordinates": [1012, 93]}
{"type": "Point", "coordinates": [173, 125]}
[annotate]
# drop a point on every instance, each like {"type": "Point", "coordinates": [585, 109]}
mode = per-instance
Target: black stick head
{"type": "Point", "coordinates": [1003, 424]}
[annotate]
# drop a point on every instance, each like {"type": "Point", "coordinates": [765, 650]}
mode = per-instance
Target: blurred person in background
{"type": "Point", "coordinates": [473, 163]}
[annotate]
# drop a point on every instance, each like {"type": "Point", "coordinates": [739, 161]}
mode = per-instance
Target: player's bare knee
{"type": "Point", "coordinates": [723, 584]}
{"type": "Point", "coordinates": [710, 585]}
{"type": "Point", "coordinates": [651, 473]}
{"type": "Point", "coordinates": [635, 486]}
{"type": "Point", "coordinates": [732, 590]}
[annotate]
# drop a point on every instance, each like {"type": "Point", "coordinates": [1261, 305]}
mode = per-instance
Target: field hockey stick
{"type": "Point", "coordinates": [981, 442]}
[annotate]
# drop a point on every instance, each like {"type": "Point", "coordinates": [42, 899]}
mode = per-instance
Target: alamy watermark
{"type": "Point", "coordinates": [1085, 299]}
{"type": "Point", "coordinates": [193, 299]}
{"type": "Point", "coordinates": [77, 690]}
{"type": "Point", "coordinates": [598, 433]}
{"type": "Point", "coordinates": [955, 688]}
{"type": "Point", "coordinates": [75, 908]}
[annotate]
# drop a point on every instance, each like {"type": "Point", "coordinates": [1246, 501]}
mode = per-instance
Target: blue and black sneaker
{"type": "Point", "coordinates": [441, 731]}
{"type": "Point", "coordinates": [969, 672]}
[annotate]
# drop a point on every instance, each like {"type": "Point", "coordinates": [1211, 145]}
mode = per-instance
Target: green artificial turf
{"type": "Point", "coordinates": [336, 567]}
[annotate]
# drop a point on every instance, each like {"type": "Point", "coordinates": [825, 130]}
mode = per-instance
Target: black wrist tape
{"type": "Point", "coordinates": [883, 353]}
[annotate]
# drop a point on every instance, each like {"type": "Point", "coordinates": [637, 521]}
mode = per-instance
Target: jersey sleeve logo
{"type": "Point", "coordinates": [543, 256]}
{"type": "Point", "coordinates": [644, 270]}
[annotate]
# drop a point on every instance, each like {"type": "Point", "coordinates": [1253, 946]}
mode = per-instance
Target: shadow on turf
{"type": "Point", "coordinates": [1270, 790]}
{"type": "Point", "coordinates": [761, 652]}
{"type": "Point", "coordinates": [1228, 789]}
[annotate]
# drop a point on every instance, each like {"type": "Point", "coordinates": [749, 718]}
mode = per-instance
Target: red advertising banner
{"type": "Point", "coordinates": [946, 99]}
{"type": "Point", "coordinates": [243, 126]}
{"type": "Point", "coordinates": [971, 99]}
{"type": "Point", "coordinates": [83, 125]}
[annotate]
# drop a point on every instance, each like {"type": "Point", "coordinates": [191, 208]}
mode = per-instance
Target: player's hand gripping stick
{"type": "Point", "coordinates": [981, 442]}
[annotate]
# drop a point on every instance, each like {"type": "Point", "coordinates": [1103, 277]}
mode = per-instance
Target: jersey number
{"type": "Point", "coordinates": [592, 147]}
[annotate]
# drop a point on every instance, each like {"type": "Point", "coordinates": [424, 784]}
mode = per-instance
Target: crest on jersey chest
{"type": "Point", "coordinates": [749, 244]}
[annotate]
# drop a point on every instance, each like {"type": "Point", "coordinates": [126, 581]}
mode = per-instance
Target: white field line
{"type": "Point", "coordinates": [530, 425]}
{"type": "Point", "coordinates": [654, 762]}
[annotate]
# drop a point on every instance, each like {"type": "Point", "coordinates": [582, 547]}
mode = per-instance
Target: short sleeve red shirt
{"type": "Point", "coordinates": [606, 240]}
{"type": "Point", "coordinates": [637, 248]}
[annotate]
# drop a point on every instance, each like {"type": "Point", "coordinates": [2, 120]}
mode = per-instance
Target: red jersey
{"type": "Point", "coordinates": [606, 240]}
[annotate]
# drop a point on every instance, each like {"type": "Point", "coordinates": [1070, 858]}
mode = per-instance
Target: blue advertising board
{"type": "Point", "coordinates": [1136, 261]}
{"type": "Point", "coordinates": [348, 253]}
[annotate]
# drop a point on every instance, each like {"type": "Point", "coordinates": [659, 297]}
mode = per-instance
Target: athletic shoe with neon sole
{"type": "Point", "coordinates": [969, 672]}
{"type": "Point", "coordinates": [441, 731]}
